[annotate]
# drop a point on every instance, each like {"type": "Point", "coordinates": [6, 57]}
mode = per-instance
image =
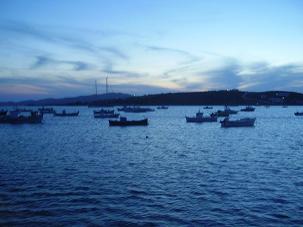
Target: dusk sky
{"type": "Point", "coordinates": [58, 48]}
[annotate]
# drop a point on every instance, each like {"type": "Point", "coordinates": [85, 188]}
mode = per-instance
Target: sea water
{"type": "Point", "coordinates": [80, 171]}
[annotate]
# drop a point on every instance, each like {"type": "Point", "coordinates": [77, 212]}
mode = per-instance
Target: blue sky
{"type": "Point", "coordinates": [58, 48]}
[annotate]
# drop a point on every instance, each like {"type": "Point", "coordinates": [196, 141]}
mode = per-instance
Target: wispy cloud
{"type": "Point", "coordinates": [125, 74]}
{"type": "Point", "coordinates": [190, 58]}
{"type": "Point", "coordinates": [258, 76]}
{"type": "Point", "coordinates": [42, 61]}
{"type": "Point", "coordinates": [264, 76]}
{"type": "Point", "coordinates": [67, 38]}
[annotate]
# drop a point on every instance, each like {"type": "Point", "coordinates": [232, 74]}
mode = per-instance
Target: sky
{"type": "Point", "coordinates": [59, 48]}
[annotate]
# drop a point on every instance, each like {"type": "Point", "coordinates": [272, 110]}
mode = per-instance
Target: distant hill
{"type": "Point", "coordinates": [80, 100]}
{"type": "Point", "coordinates": [225, 97]}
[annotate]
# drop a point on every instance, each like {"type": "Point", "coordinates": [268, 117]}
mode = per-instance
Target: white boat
{"type": "Point", "coordinates": [199, 118]}
{"type": "Point", "coordinates": [244, 122]}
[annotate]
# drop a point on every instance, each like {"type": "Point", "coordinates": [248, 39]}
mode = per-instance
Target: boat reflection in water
{"type": "Point", "coordinates": [124, 122]}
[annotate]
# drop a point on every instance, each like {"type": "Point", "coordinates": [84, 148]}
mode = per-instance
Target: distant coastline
{"type": "Point", "coordinates": [223, 97]}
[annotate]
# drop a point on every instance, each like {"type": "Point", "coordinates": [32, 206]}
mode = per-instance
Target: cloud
{"type": "Point", "coordinates": [115, 52]}
{"type": "Point", "coordinates": [68, 38]}
{"type": "Point", "coordinates": [226, 77]}
{"type": "Point", "coordinates": [42, 61]}
{"type": "Point", "coordinates": [125, 74]}
{"type": "Point", "coordinates": [190, 58]}
{"type": "Point", "coordinates": [22, 88]}
{"type": "Point", "coordinates": [260, 76]}
{"type": "Point", "coordinates": [263, 76]}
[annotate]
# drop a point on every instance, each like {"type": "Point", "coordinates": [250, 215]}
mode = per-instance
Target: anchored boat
{"type": "Point", "coordinates": [106, 115]}
{"type": "Point", "coordinates": [104, 111]}
{"type": "Point", "coordinates": [162, 107]}
{"type": "Point", "coordinates": [298, 113]}
{"type": "Point", "coordinates": [244, 122]}
{"type": "Point", "coordinates": [3, 112]}
{"type": "Point", "coordinates": [124, 122]}
{"type": "Point", "coordinates": [248, 109]}
{"type": "Point", "coordinates": [15, 117]}
{"type": "Point", "coordinates": [225, 113]}
{"type": "Point", "coordinates": [46, 110]}
{"type": "Point", "coordinates": [135, 109]}
{"type": "Point", "coordinates": [207, 107]}
{"type": "Point", "coordinates": [199, 118]}
{"type": "Point", "coordinates": [65, 114]}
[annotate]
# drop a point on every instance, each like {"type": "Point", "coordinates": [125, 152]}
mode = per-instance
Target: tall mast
{"type": "Point", "coordinates": [96, 88]}
{"type": "Point", "coordinates": [106, 85]}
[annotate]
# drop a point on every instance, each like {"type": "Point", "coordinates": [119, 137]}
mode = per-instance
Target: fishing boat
{"type": "Point", "coordinates": [124, 122]}
{"type": "Point", "coordinates": [135, 109]}
{"type": "Point", "coordinates": [298, 113]}
{"type": "Point", "coordinates": [226, 112]}
{"type": "Point", "coordinates": [244, 122]}
{"type": "Point", "coordinates": [65, 114]}
{"type": "Point", "coordinates": [221, 113]}
{"type": "Point", "coordinates": [104, 111]}
{"type": "Point", "coordinates": [3, 112]}
{"type": "Point", "coordinates": [199, 118]}
{"type": "Point", "coordinates": [106, 115]}
{"type": "Point", "coordinates": [162, 107]}
{"type": "Point", "coordinates": [15, 117]}
{"type": "Point", "coordinates": [46, 110]}
{"type": "Point", "coordinates": [230, 111]}
{"type": "Point", "coordinates": [207, 107]}
{"type": "Point", "coordinates": [248, 109]}
{"type": "Point", "coordinates": [24, 110]}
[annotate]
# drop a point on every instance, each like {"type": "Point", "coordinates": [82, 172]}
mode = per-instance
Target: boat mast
{"type": "Point", "coordinates": [106, 85]}
{"type": "Point", "coordinates": [96, 88]}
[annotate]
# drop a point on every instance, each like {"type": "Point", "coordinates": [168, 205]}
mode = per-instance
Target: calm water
{"type": "Point", "coordinates": [78, 171]}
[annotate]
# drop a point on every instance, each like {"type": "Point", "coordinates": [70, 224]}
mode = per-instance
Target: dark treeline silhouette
{"type": "Point", "coordinates": [224, 97]}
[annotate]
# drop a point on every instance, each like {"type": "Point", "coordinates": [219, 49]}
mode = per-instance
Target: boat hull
{"type": "Point", "coordinates": [221, 114]}
{"type": "Point", "coordinates": [66, 114]}
{"type": "Point", "coordinates": [21, 120]}
{"type": "Point", "coordinates": [299, 114]}
{"type": "Point", "coordinates": [247, 110]}
{"type": "Point", "coordinates": [102, 111]}
{"type": "Point", "coordinates": [238, 123]}
{"type": "Point", "coordinates": [135, 110]}
{"type": "Point", "coordinates": [128, 123]}
{"type": "Point", "coordinates": [106, 115]}
{"type": "Point", "coordinates": [201, 119]}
